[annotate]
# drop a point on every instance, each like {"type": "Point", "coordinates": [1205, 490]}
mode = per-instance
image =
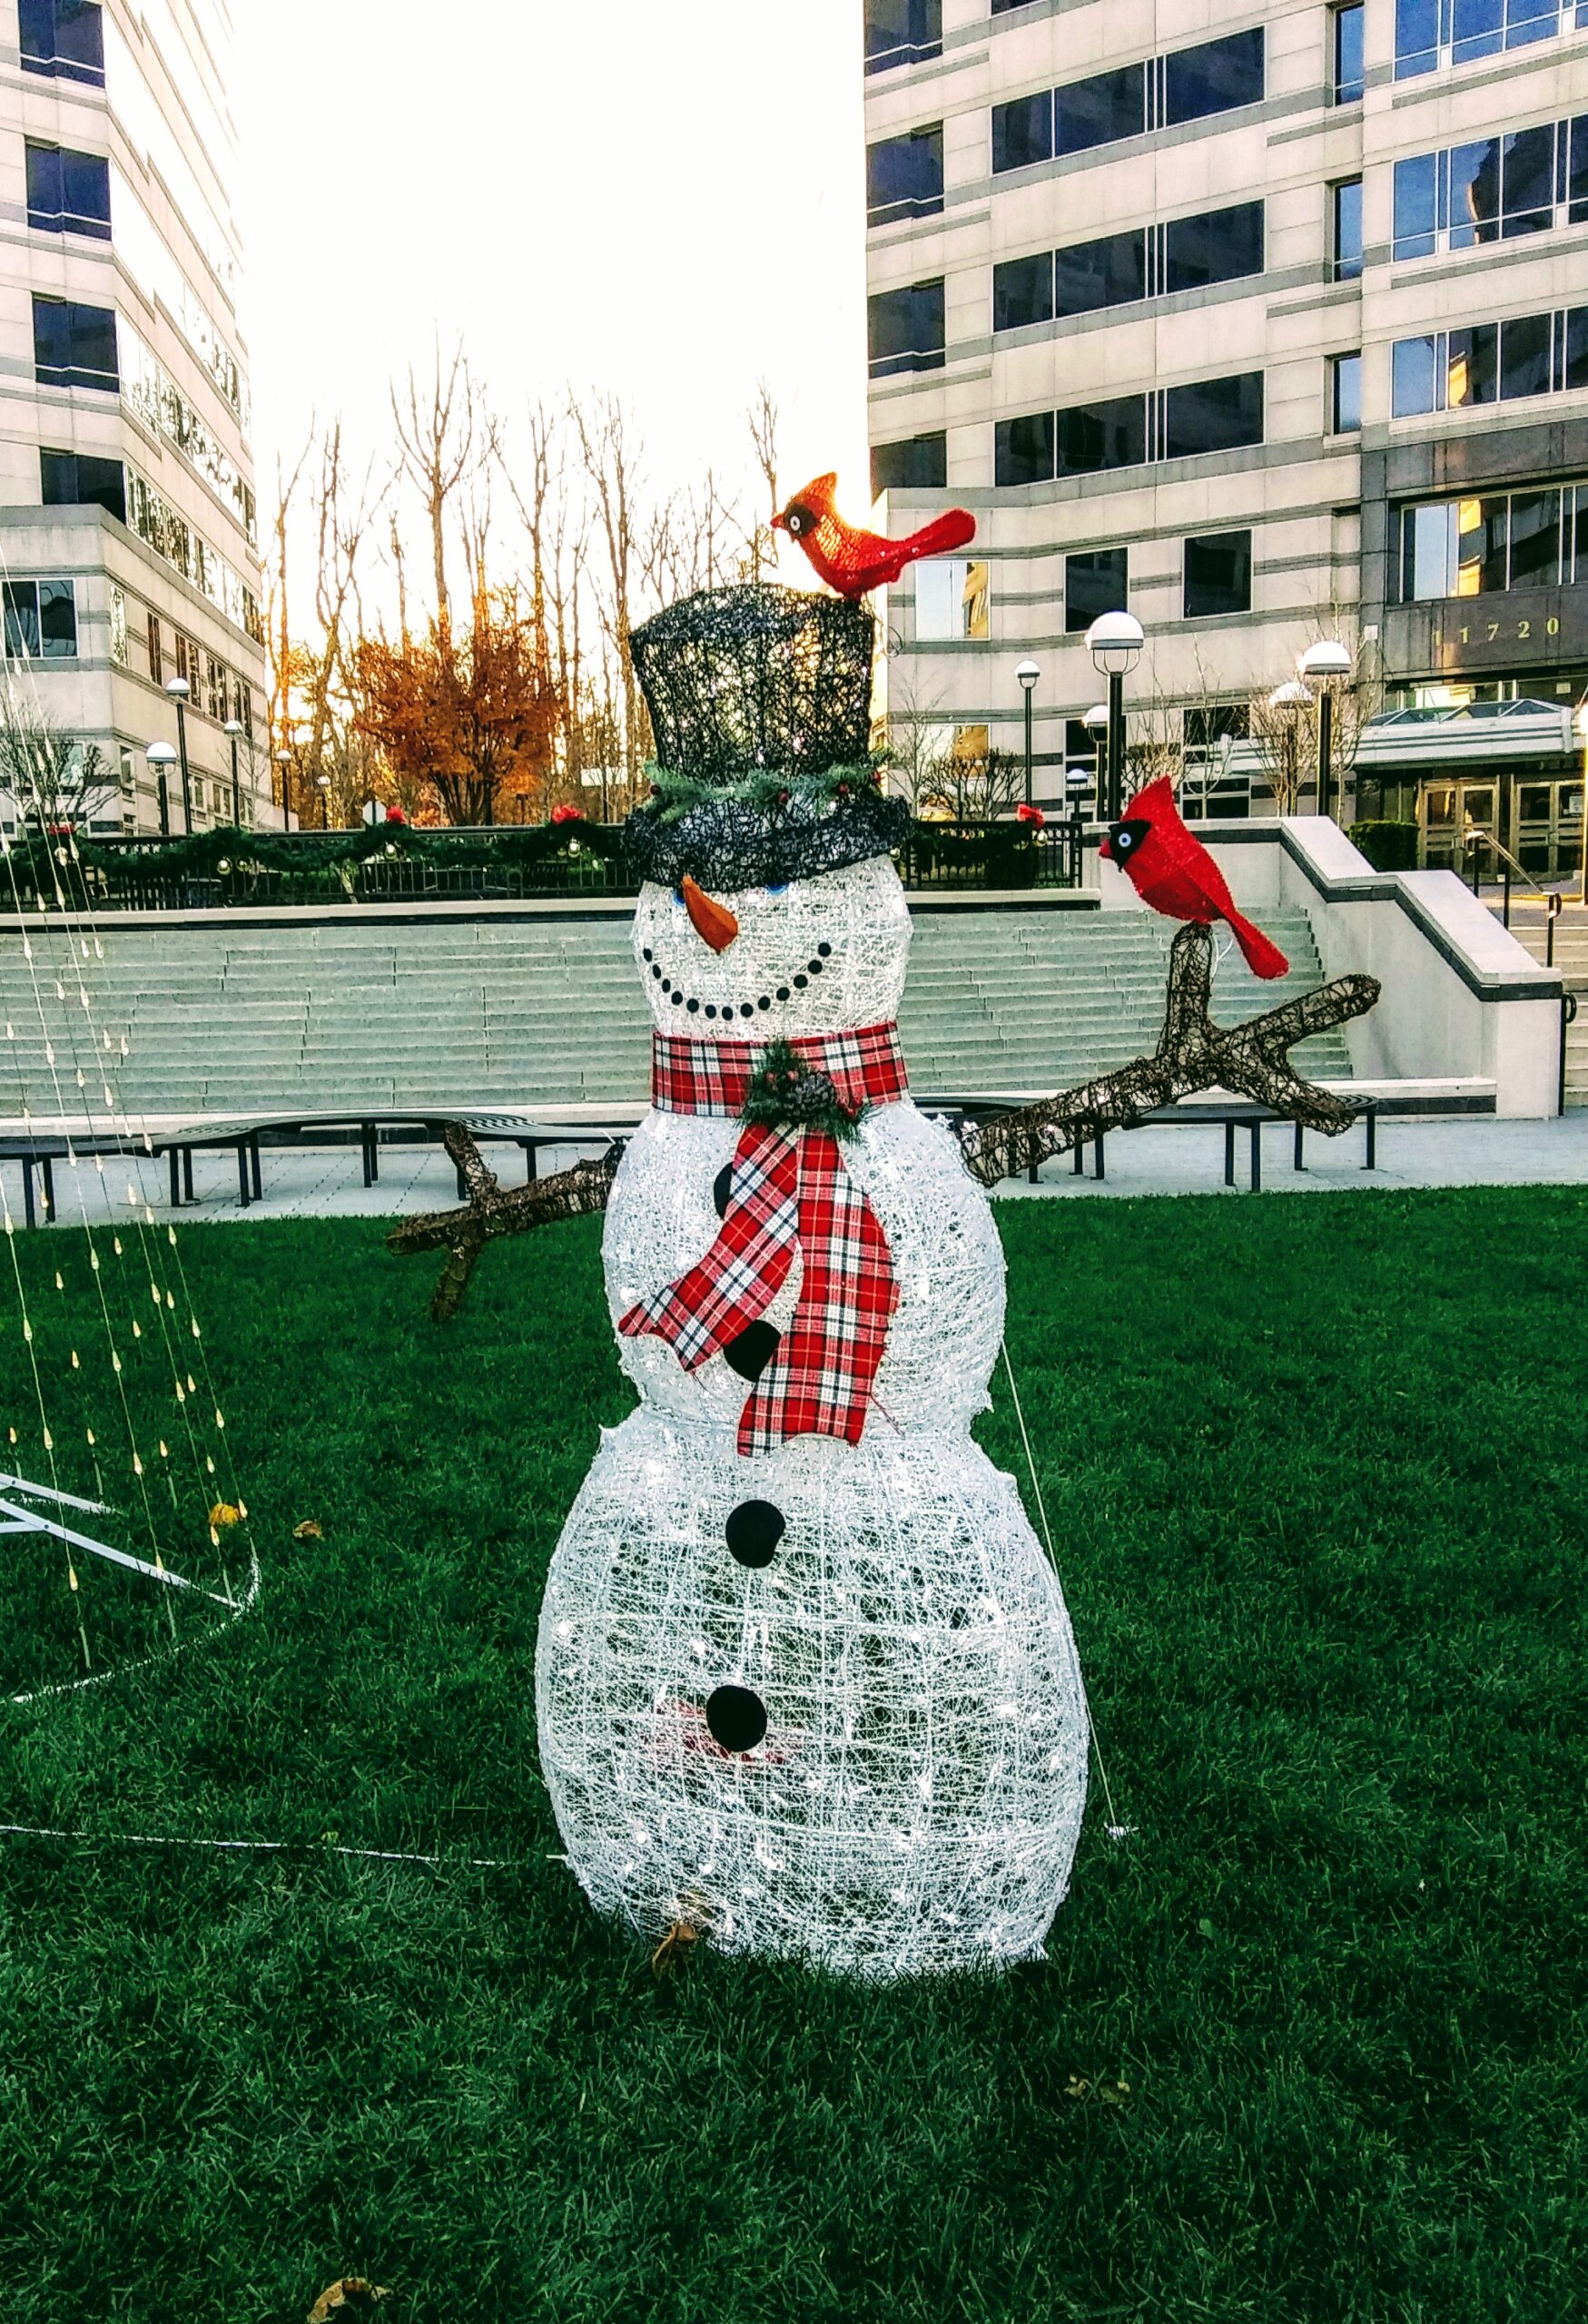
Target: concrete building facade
{"type": "Point", "coordinates": [1267, 323]}
{"type": "Point", "coordinates": [128, 527]}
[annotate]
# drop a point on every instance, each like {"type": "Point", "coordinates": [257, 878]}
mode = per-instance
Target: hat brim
{"type": "Point", "coordinates": [728, 843]}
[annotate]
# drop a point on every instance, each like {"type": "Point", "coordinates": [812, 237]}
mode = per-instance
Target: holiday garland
{"type": "Point", "coordinates": [212, 853]}
{"type": "Point", "coordinates": [787, 1093]}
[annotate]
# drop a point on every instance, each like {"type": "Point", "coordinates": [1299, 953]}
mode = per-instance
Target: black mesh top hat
{"type": "Point", "coordinates": [760, 702]}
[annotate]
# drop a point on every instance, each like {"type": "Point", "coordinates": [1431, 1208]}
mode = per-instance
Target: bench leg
{"type": "Point", "coordinates": [47, 1169]}
{"type": "Point", "coordinates": [1080, 1155]}
{"type": "Point", "coordinates": [364, 1146]}
{"type": "Point", "coordinates": [526, 1146]}
{"type": "Point", "coordinates": [1031, 1174]}
{"type": "Point", "coordinates": [242, 1171]}
{"type": "Point", "coordinates": [254, 1166]}
{"type": "Point", "coordinates": [1257, 1129]}
{"type": "Point", "coordinates": [1097, 1157]}
{"type": "Point", "coordinates": [187, 1172]}
{"type": "Point", "coordinates": [1372, 1161]}
{"type": "Point", "coordinates": [175, 1162]}
{"type": "Point", "coordinates": [1229, 1153]}
{"type": "Point", "coordinates": [27, 1190]}
{"type": "Point", "coordinates": [1298, 1163]}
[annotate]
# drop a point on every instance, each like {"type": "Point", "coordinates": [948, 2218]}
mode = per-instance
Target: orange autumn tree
{"type": "Point", "coordinates": [472, 716]}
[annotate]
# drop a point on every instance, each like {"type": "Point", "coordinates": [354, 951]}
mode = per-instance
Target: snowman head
{"type": "Point", "coordinates": [769, 902]}
{"type": "Point", "coordinates": [824, 954]}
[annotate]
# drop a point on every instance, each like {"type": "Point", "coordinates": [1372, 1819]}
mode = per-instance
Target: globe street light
{"type": "Point", "coordinates": [1321, 668]}
{"type": "Point", "coordinates": [1290, 700]}
{"type": "Point", "coordinates": [233, 727]}
{"type": "Point", "coordinates": [163, 758]}
{"type": "Point", "coordinates": [1028, 674]}
{"type": "Point", "coordinates": [179, 689]}
{"type": "Point", "coordinates": [1115, 642]}
{"type": "Point", "coordinates": [324, 783]}
{"type": "Point", "coordinates": [285, 761]}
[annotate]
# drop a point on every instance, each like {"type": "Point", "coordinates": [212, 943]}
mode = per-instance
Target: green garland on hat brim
{"type": "Point", "coordinates": [770, 789]}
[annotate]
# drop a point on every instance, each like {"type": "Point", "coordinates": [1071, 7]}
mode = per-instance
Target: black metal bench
{"type": "Point", "coordinates": [1234, 1114]}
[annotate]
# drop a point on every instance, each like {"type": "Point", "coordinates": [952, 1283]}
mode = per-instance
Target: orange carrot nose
{"type": "Point", "coordinates": [713, 922]}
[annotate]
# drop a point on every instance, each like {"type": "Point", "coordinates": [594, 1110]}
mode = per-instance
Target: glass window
{"type": "Point", "coordinates": [1576, 135]}
{"type": "Point", "coordinates": [903, 176]}
{"type": "Point", "coordinates": [157, 658]}
{"type": "Point", "coordinates": [1477, 28]}
{"type": "Point", "coordinates": [64, 38]}
{"type": "Point", "coordinates": [1472, 204]}
{"type": "Point", "coordinates": [1214, 415]}
{"type": "Point", "coordinates": [1214, 76]}
{"type": "Point", "coordinates": [1348, 76]}
{"type": "Point", "coordinates": [1473, 369]}
{"type": "Point", "coordinates": [904, 330]}
{"type": "Point", "coordinates": [1417, 209]}
{"type": "Point", "coordinates": [1217, 576]}
{"type": "Point", "coordinates": [1109, 272]}
{"type": "Point", "coordinates": [1099, 110]}
{"type": "Point", "coordinates": [1480, 546]}
{"type": "Point", "coordinates": [1216, 721]}
{"type": "Point", "coordinates": [1524, 355]}
{"type": "Point", "coordinates": [901, 32]}
{"type": "Point", "coordinates": [41, 619]}
{"type": "Point", "coordinates": [74, 347]}
{"type": "Point", "coordinates": [1527, 179]}
{"type": "Point", "coordinates": [913, 464]}
{"type": "Point", "coordinates": [1416, 37]}
{"type": "Point", "coordinates": [1414, 376]}
{"type": "Point", "coordinates": [1096, 581]}
{"type": "Point", "coordinates": [77, 479]}
{"type": "Point", "coordinates": [1347, 230]}
{"type": "Point", "coordinates": [1535, 540]}
{"type": "Point", "coordinates": [1346, 394]}
{"type": "Point", "coordinates": [1428, 551]}
{"type": "Point", "coordinates": [1022, 449]}
{"type": "Point", "coordinates": [68, 192]}
{"type": "Point", "coordinates": [1022, 292]}
{"type": "Point", "coordinates": [1022, 132]}
{"type": "Point", "coordinates": [1109, 435]}
{"type": "Point", "coordinates": [1530, 20]}
{"type": "Point", "coordinates": [1219, 246]}
{"type": "Point", "coordinates": [1577, 347]}
{"type": "Point", "coordinates": [950, 599]}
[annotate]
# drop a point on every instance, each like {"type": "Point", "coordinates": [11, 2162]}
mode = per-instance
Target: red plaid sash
{"type": "Point", "coordinates": [788, 1191]}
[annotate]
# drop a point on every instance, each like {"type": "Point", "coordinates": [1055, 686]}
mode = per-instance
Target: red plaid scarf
{"type": "Point", "coordinates": [788, 1191]}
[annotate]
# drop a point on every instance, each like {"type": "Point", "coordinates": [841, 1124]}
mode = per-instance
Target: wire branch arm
{"type": "Point", "coordinates": [490, 1213]}
{"type": "Point", "coordinates": [1192, 1054]}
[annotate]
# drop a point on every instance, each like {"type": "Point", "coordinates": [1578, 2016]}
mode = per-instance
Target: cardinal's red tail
{"type": "Point", "coordinates": [953, 529]}
{"type": "Point", "coordinates": [1262, 955]}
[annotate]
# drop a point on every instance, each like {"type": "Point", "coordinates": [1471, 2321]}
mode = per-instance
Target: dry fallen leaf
{"type": "Point", "coordinates": [356, 2293]}
{"type": "Point", "coordinates": [1078, 2087]}
{"type": "Point", "coordinates": [1114, 2094]}
{"type": "Point", "coordinates": [225, 1512]}
{"type": "Point", "coordinates": [671, 1950]}
{"type": "Point", "coordinates": [309, 1530]}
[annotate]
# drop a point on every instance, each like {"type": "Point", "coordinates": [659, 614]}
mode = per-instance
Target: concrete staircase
{"type": "Point", "coordinates": [1571, 951]}
{"type": "Point", "coordinates": [432, 1013]}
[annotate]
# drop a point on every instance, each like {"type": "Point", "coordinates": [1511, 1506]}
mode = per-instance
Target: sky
{"type": "Point", "coordinates": [663, 202]}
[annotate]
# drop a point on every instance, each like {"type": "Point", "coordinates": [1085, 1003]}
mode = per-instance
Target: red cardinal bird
{"type": "Point", "coordinates": [1170, 870]}
{"type": "Point", "coordinates": [853, 562]}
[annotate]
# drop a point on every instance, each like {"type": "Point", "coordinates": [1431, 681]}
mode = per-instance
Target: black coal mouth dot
{"type": "Point", "coordinates": [735, 1011]}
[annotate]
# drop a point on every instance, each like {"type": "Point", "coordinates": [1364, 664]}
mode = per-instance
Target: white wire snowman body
{"type": "Point", "coordinates": [913, 1801]}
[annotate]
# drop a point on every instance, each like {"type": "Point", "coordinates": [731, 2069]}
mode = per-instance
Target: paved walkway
{"type": "Point", "coordinates": [327, 1182]}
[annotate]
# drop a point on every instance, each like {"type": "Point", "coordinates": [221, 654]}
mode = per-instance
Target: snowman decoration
{"type": "Point", "coordinates": [805, 1678]}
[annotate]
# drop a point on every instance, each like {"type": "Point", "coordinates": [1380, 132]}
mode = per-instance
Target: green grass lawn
{"type": "Point", "coordinates": [1315, 1466]}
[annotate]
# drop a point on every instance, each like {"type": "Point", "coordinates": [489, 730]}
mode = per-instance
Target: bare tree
{"type": "Point", "coordinates": [611, 457]}
{"type": "Point", "coordinates": [311, 690]}
{"type": "Point", "coordinates": [57, 781]}
{"type": "Point", "coordinates": [437, 430]}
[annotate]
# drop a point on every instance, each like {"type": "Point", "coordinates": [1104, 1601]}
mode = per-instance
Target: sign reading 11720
{"type": "Point", "coordinates": [1517, 631]}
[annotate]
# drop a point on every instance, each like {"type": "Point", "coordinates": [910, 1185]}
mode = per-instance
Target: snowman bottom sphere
{"type": "Point", "coordinates": [825, 1705]}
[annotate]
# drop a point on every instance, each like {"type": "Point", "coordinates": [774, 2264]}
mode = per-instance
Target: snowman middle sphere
{"type": "Point", "coordinates": [805, 1678]}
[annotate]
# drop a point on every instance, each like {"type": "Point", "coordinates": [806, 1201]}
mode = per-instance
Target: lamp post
{"type": "Point", "coordinates": [285, 761]}
{"type": "Point", "coordinates": [1290, 700]}
{"type": "Point", "coordinates": [1115, 643]}
{"type": "Point", "coordinates": [178, 689]}
{"type": "Point", "coordinates": [1096, 722]}
{"type": "Point", "coordinates": [161, 758]}
{"type": "Point", "coordinates": [1321, 669]}
{"type": "Point", "coordinates": [1028, 674]}
{"type": "Point", "coordinates": [322, 783]}
{"type": "Point", "coordinates": [233, 729]}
